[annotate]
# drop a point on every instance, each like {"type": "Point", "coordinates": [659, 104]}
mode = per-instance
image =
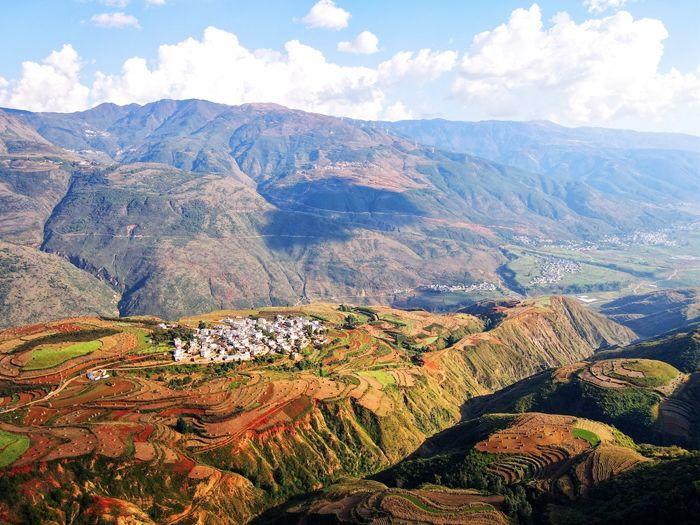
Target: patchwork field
{"type": "Point", "coordinates": [271, 428]}
{"type": "Point", "coordinates": [542, 445]}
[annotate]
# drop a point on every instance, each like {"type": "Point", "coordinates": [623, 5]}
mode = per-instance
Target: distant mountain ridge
{"type": "Point", "coordinates": [184, 206]}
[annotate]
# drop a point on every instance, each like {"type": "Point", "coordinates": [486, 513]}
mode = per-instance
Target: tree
{"type": "Point", "coordinates": [351, 322]}
{"type": "Point", "coordinates": [182, 426]}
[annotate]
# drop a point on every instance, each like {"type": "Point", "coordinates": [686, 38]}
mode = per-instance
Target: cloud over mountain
{"type": "Point", "coordinates": [601, 71]}
{"type": "Point", "coordinates": [50, 85]}
{"type": "Point", "coordinates": [594, 71]}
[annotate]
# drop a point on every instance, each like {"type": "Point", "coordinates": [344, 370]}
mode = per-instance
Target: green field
{"type": "Point", "coordinates": [589, 436]}
{"type": "Point", "coordinates": [12, 446]}
{"type": "Point", "coordinates": [385, 378]}
{"type": "Point", "coordinates": [43, 358]}
{"type": "Point", "coordinates": [613, 271]}
{"type": "Point", "coordinates": [656, 373]}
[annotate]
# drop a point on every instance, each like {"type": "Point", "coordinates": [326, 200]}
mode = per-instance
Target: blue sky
{"type": "Point", "coordinates": [616, 63]}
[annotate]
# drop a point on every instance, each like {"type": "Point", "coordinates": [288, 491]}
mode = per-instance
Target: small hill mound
{"type": "Point", "coordinates": [564, 454]}
{"type": "Point", "coordinates": [650, 400]}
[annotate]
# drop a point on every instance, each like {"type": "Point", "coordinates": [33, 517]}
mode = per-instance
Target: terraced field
{"type": "Point", "coordinates": [538, 446]}
{"type": "Point", "coordinates": [373, 502]}
{"type": "Point", "coordinates": [267, 429]}
{"type": "Point", "coordinates": [49, 357]}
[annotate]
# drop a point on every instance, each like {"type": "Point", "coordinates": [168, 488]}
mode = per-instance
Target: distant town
{"type": "Point", "coordinates": [484, 286]}
{"type": "Point", "coordinates": [553, 270]}
{"type": "Point", "coordinates": [635, 238]}
{"type": "Point", "coordinates": [242, 339]}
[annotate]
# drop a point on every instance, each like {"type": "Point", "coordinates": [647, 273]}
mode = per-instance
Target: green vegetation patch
{"type": "Point", "coordinates": [589, 436]}
{"type": "Point", "coordinates": [656, 373]}
{"type": "Point", "coordinates": [385, 378]}
{"type": "Point", "coordinates": [12, 446]}
{"type": "Point", "coordinates": [64, 337]}
{"type": "Point", "coordinates": [43, 358]}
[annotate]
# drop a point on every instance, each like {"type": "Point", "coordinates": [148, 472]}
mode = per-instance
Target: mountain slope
{"type": "Point", "coordinates": [654, 313]}
{"type": "Point", "coordinates": [680, 349]}
{"type": "Point", "coordinates": [184, 206]}
{"type": "Point", "coordinates": [37, 287]}
{"type": "Point", "coordinates": [593, 170]}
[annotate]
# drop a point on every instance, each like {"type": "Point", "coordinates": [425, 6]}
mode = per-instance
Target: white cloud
{"type": "Point", "coordinates": [325, 14]}
{"type": "Point", "coordinates": [220, 69]}
{"type": "Point", "coordinates": [595, 71]}
{"type": "Point", "coordinates": [52, 85]}
{"type": "Point", "coordinates": [155, 2]}
{"type": "Point", "coordinates": [116, 20]}
{"type": "Point", "coordinates": [366, 43]}
{"type": "Point", "coordinates": [397, 111]}
{"type": "Point", "coordinates": [600, 6]}
{"type": "Point", "coordinates": [115, 3]}
{"type": "Point", "coordinates": [425, 65]}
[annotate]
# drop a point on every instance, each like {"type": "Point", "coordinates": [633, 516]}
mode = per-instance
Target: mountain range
{"type": "Point", "coordinates": [176, 207]}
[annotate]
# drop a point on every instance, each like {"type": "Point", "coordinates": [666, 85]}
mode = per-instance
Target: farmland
{"type": "Point", "coordinates": [382, 382]}
{"type": "Point", "coordinates": [359, 501]}
{"type": "Point", "coordinates": [608, 269]}
{"type": "Point", "coordinates": [12, 446]}
{"type": "Point", "coordinates": [47, 357]}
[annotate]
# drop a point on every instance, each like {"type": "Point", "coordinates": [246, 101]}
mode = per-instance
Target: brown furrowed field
{"type": "Point", "coordinates": [553, 448]}
{"type": "Point", "coordinates": [372, 502]}
{"type": "Point", "coordinates": [133, 412]}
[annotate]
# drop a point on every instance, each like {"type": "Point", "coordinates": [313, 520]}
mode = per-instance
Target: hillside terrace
{"type": "Point", "coordinates": [242, 339]}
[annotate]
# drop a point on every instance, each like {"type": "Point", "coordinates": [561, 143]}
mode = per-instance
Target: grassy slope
{"type": "Point", "coordinates": [12, 446]}
{"type": "Point", "coordinates": [43, 358]}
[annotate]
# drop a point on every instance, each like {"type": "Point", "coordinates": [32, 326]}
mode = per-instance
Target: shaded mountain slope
{"type": "Point", "coordinates": [657, 312]}
{"type": "Point", "coordinates": [659, 492]}
{"type": "Point", "coordinates": [680, 349]}
{"type": "Point", "coordinates": [37, 287]}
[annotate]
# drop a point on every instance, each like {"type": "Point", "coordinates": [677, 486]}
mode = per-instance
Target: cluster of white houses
{"type": "Point", "coordinates": [242, 339]}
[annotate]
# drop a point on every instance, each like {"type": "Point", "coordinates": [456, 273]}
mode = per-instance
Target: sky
{"type": "Point", "coordinates": [614, 63]}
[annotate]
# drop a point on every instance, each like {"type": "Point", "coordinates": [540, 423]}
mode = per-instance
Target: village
{"type": "Point", "coordinates": [553, 270]}
{"type": "Point", "coordinates": [483, 286]}
{"type": "Point", "coordinates": [242, 339]}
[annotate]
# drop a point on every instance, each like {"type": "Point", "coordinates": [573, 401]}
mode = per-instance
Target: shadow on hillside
{"type": "Point", "coordinates": [329, 210]}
